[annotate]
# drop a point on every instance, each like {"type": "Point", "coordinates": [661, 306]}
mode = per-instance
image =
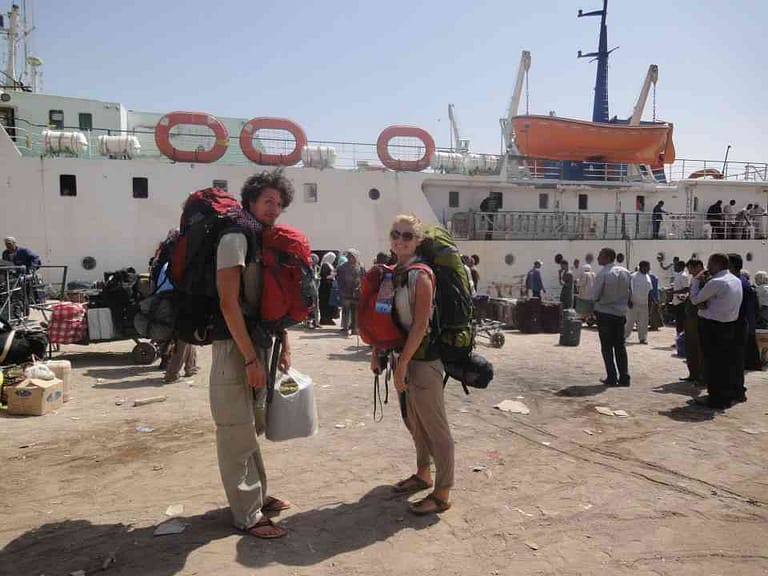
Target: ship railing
{"type": "Point", "coordinates": [525, 168]}
{"type": "Point", "coordinates": [684, 169]}
{"type": "Point", "coordinates": [516, 225]}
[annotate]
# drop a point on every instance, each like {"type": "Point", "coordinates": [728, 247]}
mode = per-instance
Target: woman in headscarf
{"type": "Point", "coordinates": [761, 287]}
{"type": "Point", "coordinates": [327, 273]}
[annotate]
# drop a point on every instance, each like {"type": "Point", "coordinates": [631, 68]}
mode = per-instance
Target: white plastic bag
{"type": "Point", "coordinates": [39, 371]}
{"type": "Point", "coordinates": [293, 414]}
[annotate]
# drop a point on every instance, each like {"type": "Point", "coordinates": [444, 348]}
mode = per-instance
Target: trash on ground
{"type": "Point", "coordinates": [150, 400]}
{"type": "Point", "coordinates": [174, 526]}
{"type": "Point", "coordinates": [175, 510]}
{"type": "Point", "coordinates": [144, 428]}
{"type": "Point", "coordinates": [119, 402]}
{"type": "Point", "coordinates": [479, 468]}
{"type": "Point", "coordinates": [77, 573]}
{"type": "Point", "coordinates": [513, 406]}
{"type": "Point", "coordinates": [608, 412]}
{"type": "Point", "coordinates": [753, 430]}
{"type": "Point", "coordinates": [532, 545]}
{"type": "Point", "coordinates": [341, 425]}
{"type": "Point", "coordinates": [588, 431]}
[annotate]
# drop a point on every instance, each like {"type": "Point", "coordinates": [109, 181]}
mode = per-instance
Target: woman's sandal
{"type": "Point", "coordinates": [422, 507]}
{"type": "Point", "coordinates": [267, 530]}
{"type": "Point", "coordinates": [411, 484]}
{"type": "Point", "coordinates": [274, 505]}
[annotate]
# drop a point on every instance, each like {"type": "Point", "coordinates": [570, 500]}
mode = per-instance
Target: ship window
{"type": "Point", "coordinates": [85, 120]}
{"type": "Point", "coordinates": [141, 188]}
{"type": "Point", "coordinates": [543, 201]}
{"type": "Point", "coordinates": [639, 203]}
{"type": "Point", "coordinates": [56, 119]}
{"type": "Point", "coordinates": [223, 184]}
{"type": "Point", "coordinates": [67, 185]}
{"type": "Point", "coordinates": [374, 194]}
{"type": "Point", "coordinates": [583, 201]}
{"type": "Point", "coordinates": [310, 193]}
{"type": "Point", "coordinates": [453, 199]}
{"type": "Point", "coordinates": [695, 203]}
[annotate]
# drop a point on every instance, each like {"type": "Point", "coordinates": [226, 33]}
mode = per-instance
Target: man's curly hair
{"type": "Point", "coordinates": [257, 183]}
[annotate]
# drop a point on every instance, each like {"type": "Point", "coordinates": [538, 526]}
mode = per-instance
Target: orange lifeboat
{"type": "Point", "coordinates": [713, 173]}
{"type": "Point", "coordinates": [163, 137]}
{"type": "Point", "coordinates": [577, 140]}
{"type": "Point", "coordinates": [259, 157]}
{"type": "Point", "coordinates": [382, 148]}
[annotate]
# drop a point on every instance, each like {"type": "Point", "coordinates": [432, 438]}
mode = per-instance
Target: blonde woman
{"type": "Point", "coordinates": [419, 373]}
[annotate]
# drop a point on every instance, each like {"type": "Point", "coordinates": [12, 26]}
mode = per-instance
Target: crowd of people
{"type": "Point", "coordinates": [728, 222]}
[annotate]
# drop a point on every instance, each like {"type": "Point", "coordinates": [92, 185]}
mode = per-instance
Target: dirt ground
{"type": "Point", "coordinates": [670, 489]}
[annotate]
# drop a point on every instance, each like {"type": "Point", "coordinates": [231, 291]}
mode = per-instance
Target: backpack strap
{"type": "Point", "coordinates": [272, 374]}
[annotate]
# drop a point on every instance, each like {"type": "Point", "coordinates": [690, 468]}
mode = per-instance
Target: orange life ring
{"type": "Point", "coordinates": [163, 137]}
{"type": "Point", "coordinates": [382, 148]}
{"type": "Point", "coordinates": [714, 172]}
{"type": "Point", "coordinates": [254, 124]}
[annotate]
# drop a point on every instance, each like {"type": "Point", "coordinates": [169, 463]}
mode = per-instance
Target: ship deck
{"type": "Point", "coordinates": [670, 489]}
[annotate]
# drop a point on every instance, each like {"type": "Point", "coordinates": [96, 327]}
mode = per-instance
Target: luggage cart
{"type": "Point", "coordinates": [485, 327]}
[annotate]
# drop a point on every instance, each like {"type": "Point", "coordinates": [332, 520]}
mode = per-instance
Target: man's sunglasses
{"type": "Point", "coordinates": [407, 236]}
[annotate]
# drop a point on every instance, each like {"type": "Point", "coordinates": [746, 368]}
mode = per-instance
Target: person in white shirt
{"type": "Point", "coordinates": [681, 283]}
{"type": "Point", "coordinates": [718, 294]}
{"type": "Point", "coordinates": [611, 296]}
{"type": "Point", "coordinates": [729, 215]}
{"type": "Point", "coordinates": [640, 287]}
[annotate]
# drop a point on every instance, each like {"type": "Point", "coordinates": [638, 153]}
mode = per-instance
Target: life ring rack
{"type": "Point", "coordinates": [382, 148]}
{"type": "Point", "coordinates": [266, 123]}
{"type": "Point", "coordinates": [713, 172]}
{"type": "Point", "coordinates": [163, 137]}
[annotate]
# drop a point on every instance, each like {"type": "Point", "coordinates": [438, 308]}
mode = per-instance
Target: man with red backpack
{"type": "Point", "coordinates": [239, 372]}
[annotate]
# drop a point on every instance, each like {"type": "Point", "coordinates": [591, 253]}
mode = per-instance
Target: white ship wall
{"type": "Point", "coordinates": [36, 107]}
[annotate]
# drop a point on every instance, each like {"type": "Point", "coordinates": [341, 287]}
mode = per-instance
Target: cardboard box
{"type": "Point", "coordinates": [34, 397]}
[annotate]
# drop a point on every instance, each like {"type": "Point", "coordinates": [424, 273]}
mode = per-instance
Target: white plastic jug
{"type": "Point", "coordinates": [292, 415]}
{"type": "Point", "coordinates": [62, 369]}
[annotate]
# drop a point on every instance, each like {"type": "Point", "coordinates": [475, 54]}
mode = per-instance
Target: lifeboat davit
{"type": "Point", "coordinates": [382, 148]}
{"type": "Point", "coordinates": [566, 139]}
{"type": "Point", "coordinates": [259, 157]}
{"type": "Point", "coordinates": [163, 137]}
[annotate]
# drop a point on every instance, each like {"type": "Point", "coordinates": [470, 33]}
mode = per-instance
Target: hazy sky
{"type": "Point", "coordinates": [345, 70]}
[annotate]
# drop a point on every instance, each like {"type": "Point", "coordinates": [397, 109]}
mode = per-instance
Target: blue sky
{"type": "Point", "coordinates": [345, 69]}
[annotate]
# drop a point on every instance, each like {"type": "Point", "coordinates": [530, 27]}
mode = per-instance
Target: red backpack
{"type": "Point", "coordinates": [288, 288]}
{"type": "Point", "coordinates": [377, 329]}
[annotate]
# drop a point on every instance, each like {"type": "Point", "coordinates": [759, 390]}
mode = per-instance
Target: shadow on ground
{"type": "Point", "coordinates": [578, 391]}
{"type": "Point", "coordinates": [680, 387]}
{"type": "Point", "coordinates": [691, 412]}
{"type": "Point", "coordinates": [314, 537]}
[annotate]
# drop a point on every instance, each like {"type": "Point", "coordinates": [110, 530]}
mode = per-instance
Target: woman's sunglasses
{"type": "Point", "coordinates": [407, 236]}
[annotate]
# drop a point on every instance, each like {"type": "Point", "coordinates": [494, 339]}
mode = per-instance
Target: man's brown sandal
{"type": "Point", "coordinates": [422, 507]}
{"type": "Point", "coordinates": [411, 484]}
{"type": "Point", "coordinates": [267, 530]}
{"type": "Point", "coordinates": [274, 505]}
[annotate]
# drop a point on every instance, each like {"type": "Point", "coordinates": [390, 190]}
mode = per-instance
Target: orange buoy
{"type": "Point", "coordinates": [163, 137]}
{"type": "Point", "coordinates": [382, 148]}
{"type": "Point", "coordinates": [259, 157]}
{"type": "Point", "coordinates": [713, 172]}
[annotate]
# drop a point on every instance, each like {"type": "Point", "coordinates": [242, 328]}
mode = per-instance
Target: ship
{"type": "Point", "coordinates": [94, 186]}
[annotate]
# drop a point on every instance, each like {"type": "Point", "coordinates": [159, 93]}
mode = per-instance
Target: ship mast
{"type": "Point", "coordinates": [19, 30]}
{"type": "Point", "coordinates": [600, 107]}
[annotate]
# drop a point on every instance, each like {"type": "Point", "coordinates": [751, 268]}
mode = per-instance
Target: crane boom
{"type": "Point", "coordinates": [514, 101]}
{"type": "Point", "coordinates": [459, 144]}
{"type": "Point", "coordinates": [650, 79]}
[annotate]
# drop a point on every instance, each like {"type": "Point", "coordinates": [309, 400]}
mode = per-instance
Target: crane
{"type": "Point", "coordinates": [650, 79]}
{"type": "Point", "coordinates": [514, 101]}
{"type": "Point", "coordinates": [461, 146]}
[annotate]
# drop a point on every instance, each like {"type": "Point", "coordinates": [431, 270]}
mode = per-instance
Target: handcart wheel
{"type": "Point", "coordinates": [144, 353]}
{"type": "Point", "coordinates": [497, 339]}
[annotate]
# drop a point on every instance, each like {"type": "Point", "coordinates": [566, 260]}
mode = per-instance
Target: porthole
{"type": "Point", "coordinates": [509, 259]}
{"type": "Point", "coordinates": [374, 194]}
{"type": "Point", "coordinates": [749, 256]}
{"type": "Point", "coordinates": [89, 262]}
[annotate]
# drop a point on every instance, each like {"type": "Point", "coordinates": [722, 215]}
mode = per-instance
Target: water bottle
{"type": "Point", "coordinates": [386, 294]}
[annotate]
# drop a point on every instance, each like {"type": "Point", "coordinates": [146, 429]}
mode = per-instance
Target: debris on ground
{"type": "Point", "coordinates": [144, 428]}
{"type": "Point", "coordinates": [532, 545]}
{"type": "Point", "coordinates": [175, 510]}
{"type": "Point", "coordinates": [479, 468]}
{"type": "Point", "coordinates": [150, 400]}
{"type": "Point", "coordinates": [754, 430]}
{"type": "Point", "coordinates": [513, 406]}
{"type": "Point", "coordinates": [174, 526]}
{"type": "Point", "coordinates": [608, 412]}
{"type": "Point", "coordinates": [341, 425]}
{"type": "Point", "coordinates": [588, 432]}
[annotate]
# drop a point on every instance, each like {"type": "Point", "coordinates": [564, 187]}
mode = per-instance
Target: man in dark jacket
{"type": "Point", "coordinates": [20, 256]}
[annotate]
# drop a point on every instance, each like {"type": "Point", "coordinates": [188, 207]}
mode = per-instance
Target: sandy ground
{"type": "Point", "coordinates": [670, 489]}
